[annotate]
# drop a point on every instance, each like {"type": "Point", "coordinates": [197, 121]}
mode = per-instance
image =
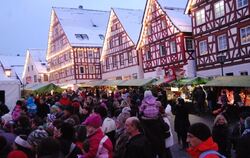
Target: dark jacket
{"type": "Point", "coordinates": [221, 135]}
{"type": "Point", "coordinates": [181, 121]}
{"type": "Point", "coordinates": [138, 147]}
{"type": "Point", "coordinates": [65, 149]}
{"type": "Point", "coordinates": [243, 147]}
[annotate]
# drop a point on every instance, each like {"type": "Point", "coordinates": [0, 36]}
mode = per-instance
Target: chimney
{"type": "Point", "coordinates": [80, 7]}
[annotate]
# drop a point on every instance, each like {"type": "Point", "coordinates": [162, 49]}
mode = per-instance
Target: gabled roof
{"type": "Point", "coordinates": [38, 56]}
{"type": "Point", "coordinates": [174, 9]}
{"type": "Point", "coordinates": [82, 21]}
{"type": "Point", "coordinates": [131, 21]}
{"type": "Point", "coordinates": [15, 63]}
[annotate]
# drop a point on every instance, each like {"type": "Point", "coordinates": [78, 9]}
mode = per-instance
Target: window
{"type": "Point", "coordinates": [101, 36]}
{"type": "Point", "coordinates": [90, 54]}
{"type": "Point", "coordinates": [91, 69]}
{"type": "Point", "coordinates": [130, 58]}
{"type": "Point", "coordinates": [114, 61]}
{"type": "Point", "coordinates": [222, 42]}
{"type": "Point", "coordinates": [162, 50]}
{"type": "Point", "coordinates": [107, 63]}
{"type": "Point", "coordinates": [163, 23]}
{"type": "Point", "coordinates": [35, 78]}
{"type": "Point", "coordinates": [82, 36]}
{"type": "Point", "coordinates": [242, 3]}
{"type": "Point", "coordinates": [244, 73]}
{"type": "Point", "coordinates": [149, 30]}
{"type": "Point", "coordinates": [173, 47]}
{"type": "Point", "coordinates": [122, 59]}
{"type": "Point", "coordinates": [203, 47]}
{"type": "Point", "coordinates": [200, 17]}
{"type": "Point", "coordinates": [28, 69]}
{"type": "Point", "coordinates": [148, 55]}
{"type": "Point", "coordinates": [81, 69]}
{"type": "Point", "coordinates": [80, 54]}
{"type": "Point", "coordinates": [219, 9]}
{"type": "Point", "coordinates": [189, 44]}
{"type": "Point", "coordinates": [32, 68]}
{"type": "Point", "coordinates": [245, 35]}
{"type": "Point", "coordinates": [45, 77]}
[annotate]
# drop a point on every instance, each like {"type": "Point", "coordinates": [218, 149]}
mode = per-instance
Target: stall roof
{"type": "Point", "coordinates": [191, 81]}
{"type": "Point", "coordinates": [230, 81]}
{"type": "Point", "coordinates": [136, 82]}
{"type": "Point", "coordinates": [91, 83]}
{"type": "Point", "coordinates": [111, 83]}
{"type": "Point", "coordinates": [35, 86]}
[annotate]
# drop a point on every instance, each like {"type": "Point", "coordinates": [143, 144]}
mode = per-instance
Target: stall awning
{"type": "Point", "coordinates": [191, 81]}
{"type": "Point", "coordinates": [32, 87]}
{"type": "Point", "coordinates": [230, 81]}
{"type": "Point", "coordinates": [91, 83]}
{"type": "Point", "coordinates": [111, 83]}
{"type": "Point", "coordinates": [136, 82]}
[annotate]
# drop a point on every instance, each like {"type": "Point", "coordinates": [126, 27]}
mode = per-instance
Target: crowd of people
{"type": "Point", "coordinates": [123, 124]}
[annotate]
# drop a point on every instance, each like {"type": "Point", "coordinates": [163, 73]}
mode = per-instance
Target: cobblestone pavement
{"type": "Point", "coordinates": [176, 150]}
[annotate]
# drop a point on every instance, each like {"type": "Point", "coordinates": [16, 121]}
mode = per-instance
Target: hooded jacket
{"type": "Point", "coordinates": [209, 144]}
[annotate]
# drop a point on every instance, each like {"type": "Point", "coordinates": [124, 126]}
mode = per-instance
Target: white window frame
{"type": "Point", "coordinates": [188, 42]}
{"type": "Point", "coordinates": [200, 17]}
{"type": "Point", "coordinates": [173, 47]}
{"type": "Point", "coordinates": [241, 3]}
{"type": "Point", "coordinates": [163, 50]}
{"type": "Point", "coordinates": [90, 54]}
{"type": "Point", "coordinates": [91, 69]}
{"type": "Point", "coordinates": [245, 35]}
{"type": "Point", "coordinates": [222, 42]}
{"type": "Point", "coordinates": [219, 9]}
{"type": "Point", "coordinates": [80, 70]}
{"type": "Point", "coordinates": [203, 47]}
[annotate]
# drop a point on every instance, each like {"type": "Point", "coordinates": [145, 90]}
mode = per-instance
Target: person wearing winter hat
{"type": "Point", "coordinates": [200, 141]}
{"type": "Point", "coordinates": [37, 136]}
{"type": "Point", "coordinates": [149, 108]}
{"type": "Point", "coordinates": [21, 144]}
{"type": "Point", "coordinates": [99, 144]}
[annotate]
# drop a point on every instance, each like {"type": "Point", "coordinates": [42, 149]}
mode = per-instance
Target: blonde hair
{"type": "Point", "coordinates": [220, 116]}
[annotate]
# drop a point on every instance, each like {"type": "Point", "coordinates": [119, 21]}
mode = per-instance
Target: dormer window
{"type": "Point", "coordinates": [101, 36]}
{"type": "Point", "coordinates": [82, 36]}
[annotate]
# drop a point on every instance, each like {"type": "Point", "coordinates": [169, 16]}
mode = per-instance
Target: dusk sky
{"type": "Point", "coordinates": [25, 23]}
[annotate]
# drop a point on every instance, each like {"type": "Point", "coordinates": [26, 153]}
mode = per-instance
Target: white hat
{"type": "Point", "coordinates": [147, 93]}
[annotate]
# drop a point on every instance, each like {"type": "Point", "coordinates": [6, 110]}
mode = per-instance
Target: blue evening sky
{"type": "Point", "coordinates": [24, 24]}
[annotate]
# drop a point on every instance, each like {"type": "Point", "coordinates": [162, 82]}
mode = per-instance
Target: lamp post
{"type": "Point", "coordinates": [221, 59]}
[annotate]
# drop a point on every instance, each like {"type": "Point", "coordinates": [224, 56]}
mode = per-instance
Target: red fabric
{"type": "Point", "coordinates": [65, 101]}
{"type": "Point", "coordinates": [17, 154]}
{"type": "Point", "coordinates": [209, 144]}
{"type": "Point", "coordinates": [94, 141]}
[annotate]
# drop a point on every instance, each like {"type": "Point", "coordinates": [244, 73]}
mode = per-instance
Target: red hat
{"type": "Point", "coordinates": [17, 154]}
{"type": "Point", "coordinates": [93, 120]}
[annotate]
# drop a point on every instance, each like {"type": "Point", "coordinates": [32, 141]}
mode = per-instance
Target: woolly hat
{"type": "Point", "coordinates": [51, 117]}
{"type": "Point", "coordinates": [148, 93]}
{"type": "Point", "coordinates": [37, 136]}
{"type": "Point", "coordinates": [17, 154]}
{"type": "Point", "coordinates": [22, 141]}
{"type": "Point", "coordinates": [200, 130]}
{"type": "Point", "coordinates": [94, 120]}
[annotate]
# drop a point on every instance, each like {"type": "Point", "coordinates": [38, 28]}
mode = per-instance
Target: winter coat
{"type": "Point", "coordinates": [65, 148]}
{"type": "Point", "coordinates": [209, 144]}
{"type": "Point", "coordinates": [181, 121]}
{"type": "Point", "coordinates": [221, 135]}
{"type": "Point", "coordinates": [138, 147]}
{"type": "Point", "coordinates": [94, 141]}
{"type": "Point", "coordinates": [120, 144]}
{"type": "Point", "coordinates": [170, 140]}
{"type": "Point", "coordinates": [243, 146]}
{"type": "Point", "coordinates": [65, 101]}
{"type": "Point", "coordinates": [32, 108]}
{"type": "Point", "coordinates": [149, 107]}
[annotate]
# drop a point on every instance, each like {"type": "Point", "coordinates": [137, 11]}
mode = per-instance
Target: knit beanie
{"type": "Point", "coordinates": [17, 154]}
{"type": "Point", "coordinates": [22, 141]}
{"type": "Point", "coordinates": [200, 130]}
{"type": "Point", "coordinates": [93, 120]}
{"type": "Point", "coordinates": [37, 136]}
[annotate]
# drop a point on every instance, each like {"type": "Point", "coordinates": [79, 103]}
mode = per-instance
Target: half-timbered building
{"type": "Point", "coordinates": [221, 31]}
{"type": "Point", "coordinates": [35, 68]}
{"type": "Point", "coordinates": [119, 56]}
{"type": "Point", "coordinates": [74, 45]}
{"type": "Point", "coordinates": [165, 43]}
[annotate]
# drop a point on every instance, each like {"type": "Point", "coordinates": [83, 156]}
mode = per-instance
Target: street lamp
{"type": "Point", "coordinates": [221, 58]}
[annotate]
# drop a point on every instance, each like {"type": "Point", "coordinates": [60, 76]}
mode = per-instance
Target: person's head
{"type": "Point", "coordinates": [198, 133]}
{"type": "Point", "coordinates": [37, 136]}
{"type": "Point", "coordinates": [48, 147]}
{"type": "Point", "coordinates": [132, 126]}
{"type": "Point", "coordinates": [220, 120]}
{"type": "Point", "coordinates": [92, 123]}
{"type": "Point", "coordinates": [102, 111]}
{"type": "Point", "coordinates": [180, 101]}
{"type": "Point", "coordinates": [17, 154]}
{"type": "Point", "coordinates": [23, 121]}
{"type": "Point", "coordinates": [68, 111]}
{"type": "Point", "coordinates": [81, 133]}
{"type": "Point", "coordinates": [67, 131]}
{"type": "Point", "coordinates": [247, 123]}
{"type": "Point", "coordinates": [22, 144]}
{"type": "Point", "coordinates": [147, 94]}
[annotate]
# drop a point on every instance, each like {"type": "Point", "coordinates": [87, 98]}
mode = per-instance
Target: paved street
{"type": "Point", "coordinates": [176, 149]}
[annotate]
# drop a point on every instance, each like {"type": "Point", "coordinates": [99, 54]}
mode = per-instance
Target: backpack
{"type": "Point", "coordinates": [102, 152]}
{"type": "Point", "coordinates": [205, 153]}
